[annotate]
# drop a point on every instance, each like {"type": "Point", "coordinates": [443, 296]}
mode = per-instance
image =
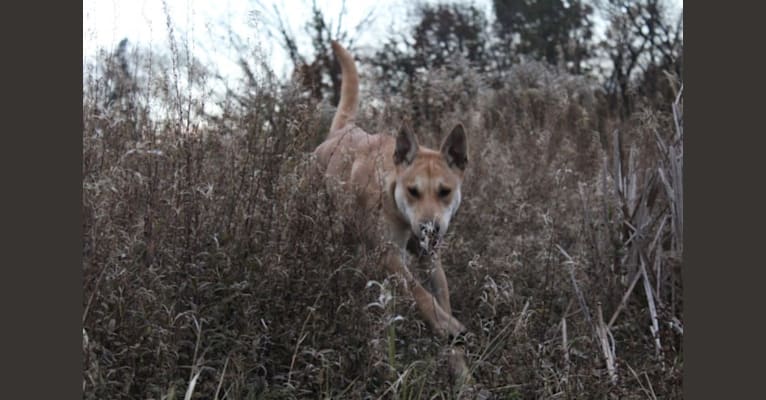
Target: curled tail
{"type": "Point", "coordinates": [349, 89]}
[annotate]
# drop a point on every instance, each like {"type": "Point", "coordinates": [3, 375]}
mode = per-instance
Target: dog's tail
{"type": "Point", "coordinates": [349, 89]}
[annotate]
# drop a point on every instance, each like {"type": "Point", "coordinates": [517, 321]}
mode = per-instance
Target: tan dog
{"type": "Point", "coordinates": [411, 192]}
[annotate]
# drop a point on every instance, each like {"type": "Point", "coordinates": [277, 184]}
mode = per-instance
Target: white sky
{"type": "Point", "coordinates": [106, 22]}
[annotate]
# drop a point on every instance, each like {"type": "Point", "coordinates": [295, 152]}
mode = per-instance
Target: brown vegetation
{"type": "Point", "coordinates": [217, 266]}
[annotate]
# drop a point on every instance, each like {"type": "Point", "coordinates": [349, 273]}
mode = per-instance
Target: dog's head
{"type": "Point", "coordinates": [427, 191]}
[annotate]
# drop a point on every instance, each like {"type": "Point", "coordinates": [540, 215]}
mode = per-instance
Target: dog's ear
{"type": "Point", "coordinates": [455, 149]}
{"type": "Point", "coordinates": [406, 147]}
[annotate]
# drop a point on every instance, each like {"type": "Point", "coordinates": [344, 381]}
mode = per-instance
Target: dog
{"type": "Point", "coordinates": [411, 192]}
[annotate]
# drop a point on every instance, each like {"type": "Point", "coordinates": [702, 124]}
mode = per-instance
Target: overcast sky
{"type": "Point", "coordinates": [106, 22]}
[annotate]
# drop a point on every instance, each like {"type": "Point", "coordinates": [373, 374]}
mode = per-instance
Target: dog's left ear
{"type": "Point", "coordinates": [455, 149]}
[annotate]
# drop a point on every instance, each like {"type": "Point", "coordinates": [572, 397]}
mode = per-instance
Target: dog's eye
{"type": "Point", "coordinates": [444, 192]}
{"type": "Point", "coordinates": [414, 191]}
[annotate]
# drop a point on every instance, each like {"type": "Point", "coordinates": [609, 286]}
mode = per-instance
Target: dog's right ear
{"type": "Point", "coordinates": [406, 147]}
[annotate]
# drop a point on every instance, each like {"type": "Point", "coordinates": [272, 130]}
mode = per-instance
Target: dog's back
{"type": "Point", "coordinates": [349, 154]}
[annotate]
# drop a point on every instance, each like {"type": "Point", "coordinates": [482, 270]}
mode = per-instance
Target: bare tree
{"type": "Point", "coordinates": [318, 74]}
{"type": "Point", "coordinates": [643, 47]}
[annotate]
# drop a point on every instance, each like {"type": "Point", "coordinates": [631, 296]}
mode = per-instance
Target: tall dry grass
{"type": "Point", "coordinates": [217, 266]}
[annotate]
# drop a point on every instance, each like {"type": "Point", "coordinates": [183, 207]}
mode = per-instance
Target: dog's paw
{"type": "Point", "coordinates": [458, 368]}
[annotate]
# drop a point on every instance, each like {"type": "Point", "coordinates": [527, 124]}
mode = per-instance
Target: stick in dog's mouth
{"type": "Point", "coordinates": [429, 238]}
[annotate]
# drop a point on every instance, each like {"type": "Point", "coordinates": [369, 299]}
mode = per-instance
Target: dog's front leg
{"type": "Point", "coordinates": [440, 320]}
{"type": "Point", "coordinates": [455, 353]}
{"type": "Point", "coordinates": [439, 282]}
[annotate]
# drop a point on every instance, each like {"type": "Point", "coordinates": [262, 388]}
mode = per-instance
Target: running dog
{"type": "Point", "coordinates": [412, 193]}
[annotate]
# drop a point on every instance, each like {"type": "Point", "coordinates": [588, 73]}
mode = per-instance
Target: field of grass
{"type": "Point", "coordinates": [217, 266]}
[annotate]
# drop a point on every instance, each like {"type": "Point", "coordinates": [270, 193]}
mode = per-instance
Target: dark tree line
{"type": "Point", "coordinates": [558, 32]}
{"type": "Point", "coordinates": [638, 61]}
{"type": "Point", "coordinates": [640, 55]}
